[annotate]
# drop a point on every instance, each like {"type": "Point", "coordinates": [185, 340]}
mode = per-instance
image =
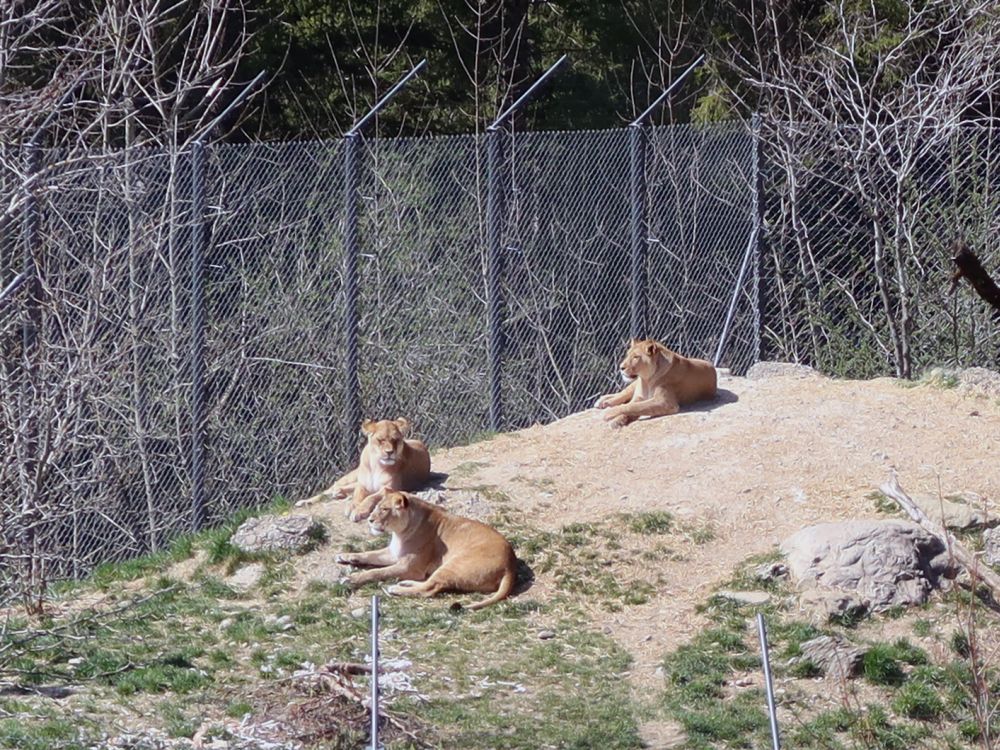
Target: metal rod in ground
{"type": "Point", "coordinates": [374, 710]}
{"type": "Point", "coordinates": [769, 688]}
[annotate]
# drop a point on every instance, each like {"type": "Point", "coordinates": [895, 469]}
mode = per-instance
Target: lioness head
{"type": "Point", "coordinates": [386, 438]}
{"type": "Point", "coordinates": [643, 358]}
{"type": "Point", "coordinates": [390, 515]}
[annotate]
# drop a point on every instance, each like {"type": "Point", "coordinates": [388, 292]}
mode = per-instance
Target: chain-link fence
{"type": "Point", "coordinates": [188, 348]}
{"type": "Point", "coordinates": [859, 242]}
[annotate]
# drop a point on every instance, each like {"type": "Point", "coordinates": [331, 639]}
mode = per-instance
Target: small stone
{"type": "Point", "coordinates": [546, 634]}
{"type": "Point", "coordinates": [752, 598]}
{"type": "Point", "coordinates": [358, 613]}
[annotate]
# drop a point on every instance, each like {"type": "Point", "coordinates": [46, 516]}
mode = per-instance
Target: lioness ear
{"type": "Point", "coordinates": [403, 425]}
{"type": "Point", "coordinates": [368, 426]}
{"type": "Point", "coordinates": [651, 349]}
{"type": "Point", "coordinates": [402, 500]}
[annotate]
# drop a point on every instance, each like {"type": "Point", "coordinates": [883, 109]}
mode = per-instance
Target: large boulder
{"type": "Point", "coordinates": [866, 565]}
{"type": "Point", "coordinates": [293, 533]}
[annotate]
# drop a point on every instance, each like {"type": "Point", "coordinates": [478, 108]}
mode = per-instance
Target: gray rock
{"type": "Point", "coordinates": [961, 511]}
{"type": "Point", "coordinates": [246, 577]}
{"type": "Point", "coordinates": [873, 564]}
{"type": "Point", "coordinates": [980, 380]}
{"type": "Point", "coordinates": [764, 370]}
{"type": "Point", "coordinates": [835, 655]}
{"type": "Point", "coordinates": [991, 546]}
{"type": "Point", "coordinates": [546, 634]}
{"type": "Point", "coordinates": [753, 598]}
{"type": "Point", "coordinates": [292, 533]}
{"type": "Point", "coordinates": [771, 571]}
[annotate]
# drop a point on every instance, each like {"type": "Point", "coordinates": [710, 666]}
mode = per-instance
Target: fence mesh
{"type": "Point", "coordinates": [858, 262]}
{"type": "Point", "coordinates": [99, 411]}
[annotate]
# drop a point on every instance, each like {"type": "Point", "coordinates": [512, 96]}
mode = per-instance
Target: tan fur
{"type": "Point", "coordinates": [409, 467]}
{"type": "Point", "coordinates": [433, 551]}
{"type": "Point", "coordinates": [662, 381]}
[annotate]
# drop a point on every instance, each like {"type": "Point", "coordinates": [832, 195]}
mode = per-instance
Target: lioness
{"type": "Point", "coordinates": [388, 461]}
{"type": "Point", "coordinates": [659, 381]}
{"type": "Point", "coordinates": [452, 553]}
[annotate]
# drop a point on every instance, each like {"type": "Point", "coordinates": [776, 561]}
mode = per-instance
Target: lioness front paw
{"type": "Point", "coordinates": [344, 558]}
{"type": "Point", "coordinates": [603, 402]}
{"type": "Point", "coordinates": [618, 422]}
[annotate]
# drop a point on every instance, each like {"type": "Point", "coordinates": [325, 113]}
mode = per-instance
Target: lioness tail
{"type": "Point", "coordinates": [506, 586]}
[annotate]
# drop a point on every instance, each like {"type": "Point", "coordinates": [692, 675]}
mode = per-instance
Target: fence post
{"type": "Point", "coordinates": [758, 233]}
{"type": "Point", "coordinates": [638, 228]}
{"type": "Point", "coordinates": [637, 190]}
{"type": "Point", "coordinates": [199, 242]}
{"type": "Point", "coordinates": [31, 249]}
{"type": "Point", "coordinates": [352, 382]}
{"type": "Point", "coordinates": [494, 237]}
{"type": "Point", "coordinates": [494, 272]}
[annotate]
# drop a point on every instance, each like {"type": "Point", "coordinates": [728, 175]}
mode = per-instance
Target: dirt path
{"type": "Point", "coordinates": [767, 458]}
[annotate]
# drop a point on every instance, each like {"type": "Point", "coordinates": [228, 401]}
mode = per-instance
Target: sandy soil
{"type": "Point", "coordinates": [768, 457]}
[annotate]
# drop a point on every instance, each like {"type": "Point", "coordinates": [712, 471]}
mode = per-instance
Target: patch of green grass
{"type": "Point", "coordinates": [740, 722]}
{"type": "Point", "coordinates": [43, 734]}
{"type": "Point", "coordinates": [880, 666]}
{"type": "Point", "coordinates": [238, 709]}
{"type": "Point", "coordinates": [873, 729]}
{"type": "Point", "coordinates": [883, 503]}
{"type": "Point", "coordinates": [923, 628]}
{"type": "Point", "coordinates": [918, 700]}
{"type": "Point", "coordinates": [649, 522]}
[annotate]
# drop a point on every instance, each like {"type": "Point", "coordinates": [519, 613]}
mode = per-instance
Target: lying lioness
{"type": "Point", "coordinates": [659, 381]}
{"type": "Point", "coordinates": [388, 461]}
{"type": "Point", "coordinates": [452, 553]}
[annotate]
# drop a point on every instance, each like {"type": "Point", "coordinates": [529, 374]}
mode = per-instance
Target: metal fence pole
{"type": "Point", "coordinates": [494, 237]}
{"type": "Point", "coordinates": [638, 229]}
{"type": "Point", "coordinates": [758, 233]}
{"type": "Point", "coordinates": [352, 252]}
{"type": "Point", "coordinates": [352, 315]}
{"type": "Point", "coordinates": [374, 684]}
{"type": "Point", "coordinates": [199, 243]}
{"type": "Point", "coordinates": [494, 272]}
{"type": "Point", "coordinates": [31, 250]}
{"type": "Point", "coordinates": [769, 688]}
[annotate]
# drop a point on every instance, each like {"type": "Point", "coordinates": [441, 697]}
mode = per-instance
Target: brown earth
{"type": "Point", "coordinates": [768, 457]}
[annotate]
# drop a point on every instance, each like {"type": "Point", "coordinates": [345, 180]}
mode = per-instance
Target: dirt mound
{"type": "Point", "coordinates": [768, 457]}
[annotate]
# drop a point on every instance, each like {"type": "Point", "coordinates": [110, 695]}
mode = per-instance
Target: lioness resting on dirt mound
{"type": "Point", "coordinates": [452, 553]}
{"type": "Point", "coordinates": [388, 461]}
{"type": "Point", "coordinates": [659, 381]}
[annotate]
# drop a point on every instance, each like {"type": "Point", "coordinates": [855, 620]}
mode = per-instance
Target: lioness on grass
{"type": "Point", "coordinates": [660, 382]}
{"type": "Point", "coordinates": [432, 551]}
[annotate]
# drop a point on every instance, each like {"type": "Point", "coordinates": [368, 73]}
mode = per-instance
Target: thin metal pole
{"type": "Point", "coordinates": [11, 289]}
{"type": "Point", "coordinates": [638, 229]}
{"type": "Point", "coordinates": [677, 82]}
{"type": "Point", "coordinates": [199, 242]}
{"type": "Point", "coordinates": [240, 98]}
{"type": "Point", "coordinates": [352, 252]}
{"type": "Point", "coordinates": [386, 99]}
{"type": "Point", "coordinates": [494, 273]}
{"type": "Point", "coordinates": [527, 95]}
{"type": "Point", "coordinates": [766, 661]}
{"type": "Point", "coordinates": [758, 222]}
{"type": "Point", "coordinates": [494, 251]}
{"type": "Point", "coordinates": [374, 711]}
{"type": "Point", "coordinates": [724, 336]}
{"type": "Point", "coordinates": [31, 252]}
{"type": "Point", "coordinates": [352, 315]}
